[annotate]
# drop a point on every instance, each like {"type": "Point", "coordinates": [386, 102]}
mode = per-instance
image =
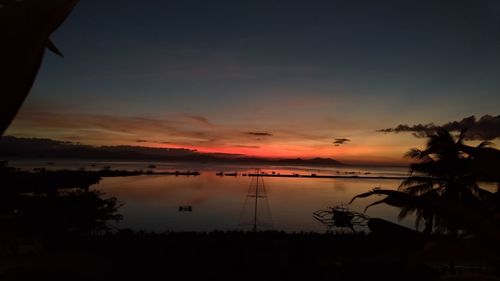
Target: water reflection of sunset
{"type": "Point", "coordinates": [152, 201]}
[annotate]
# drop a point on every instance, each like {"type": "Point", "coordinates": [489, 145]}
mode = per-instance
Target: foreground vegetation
{"type": "Point", "coordinates": [126, 255]}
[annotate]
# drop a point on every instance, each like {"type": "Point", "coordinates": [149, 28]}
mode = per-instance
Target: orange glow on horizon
{"type": "Point", "coordinates": [298, 140]}
{"type": "Point", "coordinates": [347, 154]}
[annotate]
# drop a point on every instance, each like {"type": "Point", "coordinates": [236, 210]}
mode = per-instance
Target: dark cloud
{"type": "Point", "coordinates": [486, 128]}
{"type": "Point", "coordinates": [248, 146]}
{"type": "Point", "coordinates": [259, 134]}
{"type": "Point", "coordinates": [201, 120]}
{"type": "Point", "coordinates": [74, 138]}
{"type": "Point", "coordinates": [152, 141]}
{"type": "Point", "coordinates": [341, 141]}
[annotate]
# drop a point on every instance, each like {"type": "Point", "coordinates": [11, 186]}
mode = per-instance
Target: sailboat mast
{"type": "Point", "coordinates": [256, 190]}
{"type": "Point", "coordinates": [256, 199]}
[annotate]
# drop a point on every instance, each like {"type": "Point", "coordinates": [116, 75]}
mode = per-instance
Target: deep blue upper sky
{"type": "Point", "coordinates": [346, 67]}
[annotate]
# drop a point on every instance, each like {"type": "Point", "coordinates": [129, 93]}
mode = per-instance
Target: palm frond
{"type": "Point", "coordinates": [418, 218]}
{"type": "Point", "coordinates": [424, 168]}
{"type": "Point", "coordinates": [376, 203]}
{"type": "Point", "coordinates": [415, 180]}
{"type": "Point", "coordinates": [394, 198]}
{"type": "Point", "coordinates": [405, 211]}
{"type": "Point", "coordinates": [378, 191]}
{"type": "Point", "coordinates": [417, 189]}
{"type": "Point", "coordinates": [413, 153]}
{"type": "Point", "coordinates": [485, 144]}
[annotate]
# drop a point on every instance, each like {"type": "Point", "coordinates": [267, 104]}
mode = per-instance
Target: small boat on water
{"type": "Point", "coordinates": [231, 174]}
{"type": "Point", "coordinates": [185, 208]}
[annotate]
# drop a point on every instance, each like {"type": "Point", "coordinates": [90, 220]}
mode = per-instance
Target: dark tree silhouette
{"type": "Point", "coordinates": [443, 171]}
{"type": "Point", "coordinates": [25, 27]}
{"type": "Point", "coordinates": [442, 188]}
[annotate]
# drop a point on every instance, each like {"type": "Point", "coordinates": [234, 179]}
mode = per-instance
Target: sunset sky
{"type": "Point", "coordinates": [266, 78]}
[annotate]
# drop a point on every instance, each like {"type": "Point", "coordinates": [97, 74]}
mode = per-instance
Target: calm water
{"type": "Point", "coordinates": [151, 202]}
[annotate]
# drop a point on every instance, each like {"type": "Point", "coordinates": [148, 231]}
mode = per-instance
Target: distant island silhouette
{"type": "Point", "coordinates": [30, 148]}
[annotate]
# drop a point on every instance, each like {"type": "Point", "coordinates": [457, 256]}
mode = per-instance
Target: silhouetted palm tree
{"type": "Point", "coordinates": [443, 171]}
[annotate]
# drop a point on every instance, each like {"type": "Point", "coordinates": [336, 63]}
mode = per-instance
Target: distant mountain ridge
{"type": "Point", "coordinates": [14, 147]}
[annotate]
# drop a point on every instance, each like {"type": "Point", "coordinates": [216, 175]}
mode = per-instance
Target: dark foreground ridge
{"type": "Point", "coordinates": [126, 255]}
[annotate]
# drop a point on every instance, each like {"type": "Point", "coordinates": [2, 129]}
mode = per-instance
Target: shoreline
{"type": "Point", "coordinates": [326, 176]}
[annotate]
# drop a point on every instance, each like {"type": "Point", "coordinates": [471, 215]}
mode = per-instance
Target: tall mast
{"type": "Point", "coordinates": [256, 200]}
{"type": "Point", "coordinates": [250, 217]}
